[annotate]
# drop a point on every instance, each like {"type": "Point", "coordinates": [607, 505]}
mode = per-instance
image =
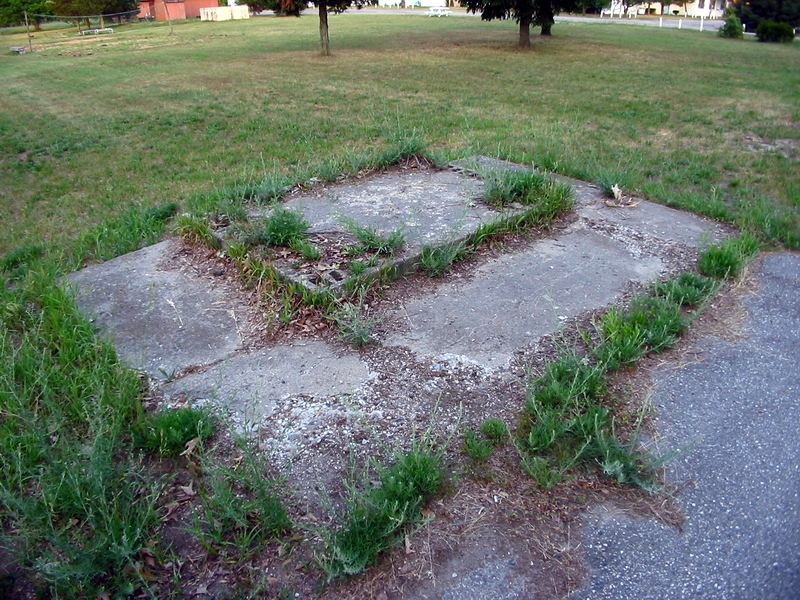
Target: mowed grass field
{"type": "Point", "coordinates": [90, 126]}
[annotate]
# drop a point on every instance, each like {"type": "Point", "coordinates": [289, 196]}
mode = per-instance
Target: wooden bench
{"type": "Point", "coordinates": [19, 49]}
{"type": "Point", "coordinates": [97, 31]}
{"type": "Point", "coordinates": [438, 11]}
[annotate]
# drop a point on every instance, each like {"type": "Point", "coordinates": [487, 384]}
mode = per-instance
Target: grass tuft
{"type": "Point", "coordinates": [353, 327]}
{"type": "Point", "coordinates": [435, 261]}
{"type": "Point", "coordinates": [168, 431]}
{"type": "Point", "coordinates": [495, 431]}
{"type": "Point", "coordinates": [377, 516]}
{"type": "Point", "coordinates": [506, 187]}
{"type": "Point", "coordinates": [196, 230]}
{"type": "Point", "coordinates": [19, 261]}
{"type": "Point", "coordinates": [371, 240]}
{"type": "Point", "coordinates": [726, 259]}
{"type": "Point", "coordinates": [284, 227]}
{"type": "Point", "coordinates": [687, 289]}
{"type": "Point", "coordinates": [476, 448]}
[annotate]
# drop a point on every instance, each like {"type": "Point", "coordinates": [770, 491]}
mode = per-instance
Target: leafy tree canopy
{"type": "Point", "coordinates": [12, 11]}
{"type": "Point", "coordinates": [524, 12]}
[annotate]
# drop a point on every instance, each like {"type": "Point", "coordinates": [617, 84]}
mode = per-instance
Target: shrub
{"type": "Point", "coordinates": [770, 31]}
{"type": "Point", "coordinates": [732, 27]}
{"type": "Point", "coordinates": [168, 431]}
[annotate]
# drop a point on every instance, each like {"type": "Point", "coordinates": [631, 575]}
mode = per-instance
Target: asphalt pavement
{"type": "Point", "coordinates": [737, 409]}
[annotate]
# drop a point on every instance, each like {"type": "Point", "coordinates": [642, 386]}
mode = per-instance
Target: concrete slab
{"type": "Point", "coordinates": [430, 207]}
{"type": "Point", "coordinates": [647, 219]}
{"type": "Point", "coordinates": [161, 321]}
{"type": "Point", "coordinates": [737, 406]}
{"type": "Point", "coordinates": [250, 385]}
{"type": "Point", "coordinates": [513, 300]}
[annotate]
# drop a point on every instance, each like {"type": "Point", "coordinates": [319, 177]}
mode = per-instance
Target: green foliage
{"type": "Point", "coordinates": [80, 504]}
{"type": "Point", "coordinates": [371, 240]}
{"type": "Point", "coordinates": [622, 341]}
{"type": "Point", "coordinates": [284, 227]}
{"type": "Point", "coordinates": [168, 431]}
{"type": "Point", "coordinates": [687, 289]}
{"type": "Point", "coordinates": [495, 431]}
{"type": "Point", "coordinates": [353, 327]}
{"type": "Point", "coordinates": [568, 381]}
{"type": "Point", "coordinates": [436, 261]}
{"type": "Point", "coordinates": [240, 508]}
{"type": "Point", "coordinates": [523, 187]}
{"type": "Point", "coordinates": [376, 517]}
{"type": "Point", "coordinates": [195, 229]}
{"type": "Point", "coordinates": [732, 27]}
{"type": "Point", "coordinates": [755, 12]}
{"type": "Point", "coordinates": [726, 259]}
{"type": "Point", "coordinates": [476, 448]}
{"type": "Point", "coordinates": [19, 260]}
{"type": "Point", "coordinates": [770, 31]}
{"type": "Point", "coordinates": [306, 250]}
{"type": "Point", "coordinates": [133, 229]}
{"type": "Point", "coordinates": [659, 320]}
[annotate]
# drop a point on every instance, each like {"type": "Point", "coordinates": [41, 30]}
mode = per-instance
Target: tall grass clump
{"type": "Point", "coordinates": [168, 431]}
{"type": "Point", "coordinates": [436, 260]}
{"type": "Point", "coordinates": [726, 259]}
{"type": "Point", "coordinates": [135, 228]}
{"type": "Point", "coordinates": [81, 505]}
{"type": "Point", "coordinates": [240, 508]}
{"type": "Point", "coordinates": [506, 187]}
{"type": "Point", "coordinates": [377, 515]}
{"type": "Point", "coordinates": [16, 263]}
{"type": "Point", "coordinates": [284, 227]}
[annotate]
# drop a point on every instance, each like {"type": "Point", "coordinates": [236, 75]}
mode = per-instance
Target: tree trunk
{"type": "Point", "coordinates": [546, 17]}
{"type": "Point", "coordinates": [324, 42]}
{"type": "Point", "coordinates": [525, 32]}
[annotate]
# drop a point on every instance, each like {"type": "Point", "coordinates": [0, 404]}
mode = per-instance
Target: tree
{"type": "Point", "coordinates": [524, 12]}
{"type": "Point", "coordinates": [753, 12]}
{"type": "Point", "coordinates": [12, 12]}
{"type": "Point", "coordinates": [282, 8]}
{"type": "Point", "coordinates": [332, 6]}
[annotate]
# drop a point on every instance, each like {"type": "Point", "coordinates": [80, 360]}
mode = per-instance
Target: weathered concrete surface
{"type": "Point", "coordinates": [515, 299]}
{"type": "Point", "coordinates": [251, 384]}
{"type": "Point", "coordinates": [430, 207]}
{"type": "Point", "coordinates": [739, 405]}
{"type": "Point", "coordinates": [161, 321]}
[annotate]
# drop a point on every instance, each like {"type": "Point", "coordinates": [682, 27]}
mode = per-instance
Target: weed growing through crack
{"type": "Point", "coordinates": [379, 510]}
{"type": "Point", "coordinates": [168, 431]}
{"type": "Point", "coordinates": [307, 250]}
{"type": "Point", "coordinates": [283, 227]}
{"type": "Point", "coordinates": [687, 289]}
{"type": "Point", "coordinates": [353, 327]}
{"type": "Point", "coordinates": [435, 261]}
{"type": "Point", "coordinates": [371, 240]}
{"type": "Point", "coordinates": [506, 187]}
{"type": "Point", "coordinates": [726, 259]}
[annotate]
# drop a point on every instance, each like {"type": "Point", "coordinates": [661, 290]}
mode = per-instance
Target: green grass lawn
{"type": "Point", "coordinates": [89, 126]}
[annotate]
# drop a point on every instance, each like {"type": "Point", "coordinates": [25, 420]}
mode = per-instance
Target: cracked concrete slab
{"type": "Point", "coordinates": [161, 321]}
{"type": "Point", "coordinates": [251, 385]}
{"type": "Point", "coordinates": [515, 299]}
